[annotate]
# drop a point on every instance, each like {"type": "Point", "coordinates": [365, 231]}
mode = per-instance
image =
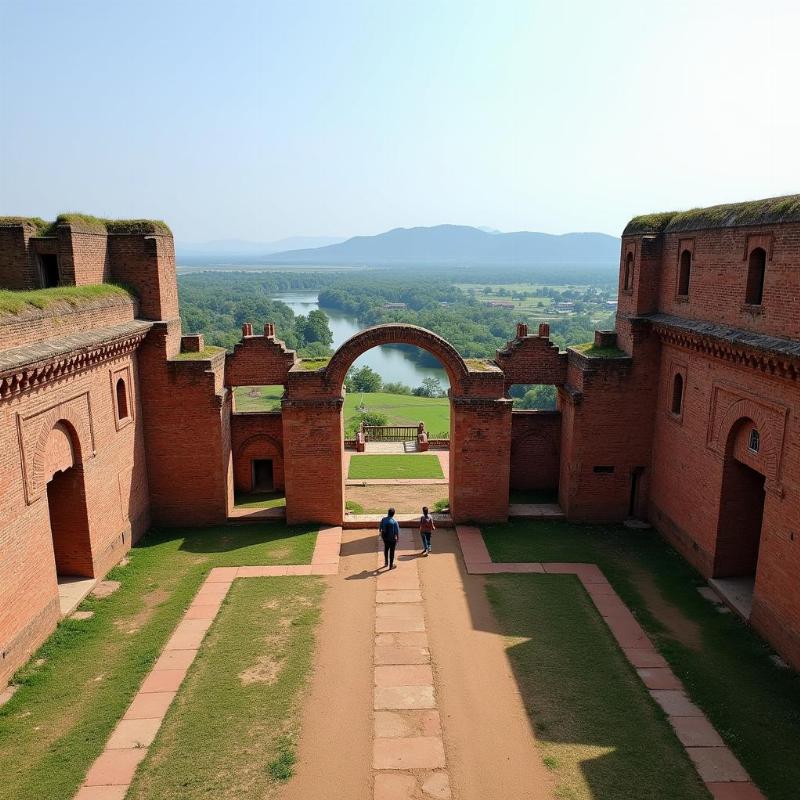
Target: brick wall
{"type": "Point", "coordinates": [535, 449]}
{"type": "Point", "coordinates": [108, 490]}
{"type": "Point", "coordinates": [61, 319]}
{"type": "Point", "coordinates": [187, 432]}
{"type": "Point", "coordinates": [532, 359]}
{"type": "Point", "coordinates": [18, 268]}
{"type": "Point", "coordinates": [259, 361]}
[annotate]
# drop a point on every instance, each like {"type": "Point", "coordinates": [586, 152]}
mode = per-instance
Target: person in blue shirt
{"type": "Point", "coordinates": [390, 533]}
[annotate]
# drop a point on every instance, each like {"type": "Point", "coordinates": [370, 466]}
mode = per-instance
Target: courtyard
{"type": "Point", "coordinates": [230, 660]}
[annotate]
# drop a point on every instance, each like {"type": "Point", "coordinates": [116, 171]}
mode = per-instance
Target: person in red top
{"type": "Point", "coordinates": [426, 528]}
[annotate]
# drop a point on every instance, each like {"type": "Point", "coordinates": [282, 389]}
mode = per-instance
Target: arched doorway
{"type": "Point", "coordinates": [741, 503]}
{"type": "Point", "coordinates": [66, 503]}
{"type": "Point", "coordinates": [480, 428]}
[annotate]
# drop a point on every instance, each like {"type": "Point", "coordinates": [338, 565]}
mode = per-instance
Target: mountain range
{"type": "Point", "coordinates": [440, 244]}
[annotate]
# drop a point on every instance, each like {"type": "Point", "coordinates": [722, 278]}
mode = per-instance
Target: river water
{"type": "Point", "coordinates": [392, 364]}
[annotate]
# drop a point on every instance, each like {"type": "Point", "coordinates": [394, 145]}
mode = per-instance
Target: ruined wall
{"type": "Point", "coordinates": [535, 449]}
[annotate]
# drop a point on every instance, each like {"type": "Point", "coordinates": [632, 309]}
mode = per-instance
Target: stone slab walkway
{"type": "Point", "coordinates": [718, 767]}
{"type": "Point", "coordinates": [110, 776]}
{"type": "Point", "coordinates": [408, 751]}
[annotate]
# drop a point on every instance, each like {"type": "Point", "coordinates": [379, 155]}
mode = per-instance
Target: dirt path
{"type": "Point", "coordinates": [491, 751]}
{"type": "Point", "coordinates": [335, 751]}
{"type": "Point", "coordinates": [404, 497]}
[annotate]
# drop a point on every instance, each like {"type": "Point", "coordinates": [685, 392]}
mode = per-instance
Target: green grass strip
{"type": "Point", "coordinates": [394, 466]}
{"type": "Point", "coordinates": [233, 728]}
{"type": "Point", "coordinates": [597, 728]}
{"type": "Point", "coordinates": [724, 665]}
{"type": "Point", "coordinates": [14, 302]}
{"type": "Point", "coordinates": [79, 683]}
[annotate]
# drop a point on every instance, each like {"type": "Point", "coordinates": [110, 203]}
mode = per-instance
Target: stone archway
{"type": "Point", "coordinates": [480, 431]}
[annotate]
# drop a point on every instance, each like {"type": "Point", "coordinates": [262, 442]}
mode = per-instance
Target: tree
{"type": "Point", "coordinates": [431, 387]}
{"type": "Point", "coordinates": [541, 397]}
{"type": "Point", "coordinates": [313, 329]}
{"type": "Point", "coordinates": [363, 379]}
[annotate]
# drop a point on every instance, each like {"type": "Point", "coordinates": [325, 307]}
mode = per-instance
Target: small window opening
{"type": "Point", "coordinates": [122, 399]}
{"type": "Point", "coordinates": [677, 394]}
{"type": "Point", "coordinates": [755, 441]}
{"type": "Point", "coordinates": [50, 274]}
{"type": "Point", "coordinates": [684, 273]}
{"type": "Point", "coordinates": [607, 470]}
{"type": "Point", "coordinates": [756, 269]}
{"type": "Point", "coordinates": [628, 282]}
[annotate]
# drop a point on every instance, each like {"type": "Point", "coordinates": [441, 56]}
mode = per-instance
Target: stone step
{"type": "Point", "coordinates": [535, 511]}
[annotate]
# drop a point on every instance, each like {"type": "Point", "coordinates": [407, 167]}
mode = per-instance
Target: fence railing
{"type": "Point", "coordinates": [390, 433]}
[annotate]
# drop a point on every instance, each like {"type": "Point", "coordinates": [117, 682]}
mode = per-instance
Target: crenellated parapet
{"type": "Point", "coordinates": [259, 360]}
{"type": "Point", "coordinates": [532, 359]}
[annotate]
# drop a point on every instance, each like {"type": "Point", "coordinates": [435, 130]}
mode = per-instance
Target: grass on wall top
{"type": "Point", "coordinates": [89, 223]}
{"type": "Point", "coordinates": [15, 302]}
{"type": "Point", "coordinates": [729, 215]}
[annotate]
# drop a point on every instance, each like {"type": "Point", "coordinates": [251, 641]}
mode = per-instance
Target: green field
{"type": "Point", "coordinates": [391, 466]}
{"type": "Point", "coordinates": [403, 409]}
{"type": "Point", "coordinates": [257, 398]}
{"type": "Point", "coordinates": [400, 409]}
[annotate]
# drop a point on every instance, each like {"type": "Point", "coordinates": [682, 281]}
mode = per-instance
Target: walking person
{"type": "Point", "coordinates": [426, 528]}
{"type": "Point", "coordinates": [390, 533]}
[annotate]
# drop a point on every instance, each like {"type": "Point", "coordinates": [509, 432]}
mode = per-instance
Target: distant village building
{"type": "Point", "coordinates": [394, 306]}
{"type": "Point", "coordinates": [500, 304]}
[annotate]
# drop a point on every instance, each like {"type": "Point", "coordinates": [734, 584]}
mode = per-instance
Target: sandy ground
{"type": "Point", "coordinates": [490, 746]}
{"type": "Point", "coordinates": [335, 751]}
{"type": "Point", "coordinates": [405, 498]}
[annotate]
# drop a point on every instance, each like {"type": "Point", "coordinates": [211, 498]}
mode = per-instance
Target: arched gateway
{"type": "Point", "coordinates": [480, 430]}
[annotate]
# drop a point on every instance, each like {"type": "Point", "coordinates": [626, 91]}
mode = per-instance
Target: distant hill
{"type": "Point", "coordinates": [459, 244]}
{"type": "Point", "coordinates": [238, 248]}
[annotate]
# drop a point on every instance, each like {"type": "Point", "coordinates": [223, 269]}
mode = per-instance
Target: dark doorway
{"type": "Point", "coordinates": [50, 275]}
{"type": "Point", "coordinates": [69, 523]}
{"type": "Point", "coordinates": [740, 520]}
{"type": "Point", "coordinates": [633, 502]}
{"type": "Point", "coordinates": [262, 475]}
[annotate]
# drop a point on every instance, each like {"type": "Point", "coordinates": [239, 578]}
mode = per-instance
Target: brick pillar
{"type": "Point", "coordinates": [480, 459]}
{"type": "Point", "coordinates": [522, 330]}
{"type": "Point", "coordinates": [312, 450]}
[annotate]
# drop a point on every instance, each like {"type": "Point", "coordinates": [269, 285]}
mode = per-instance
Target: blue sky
{"type": "Point", "coordinates": [259, 120]}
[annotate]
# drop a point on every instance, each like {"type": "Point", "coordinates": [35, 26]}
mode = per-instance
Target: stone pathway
{"type": "Point", "coordinates": [111, 774]}
{"type": "Point", "coordinates": [408, 751]}
{"type": "Point", "coordinates": [718, 767]}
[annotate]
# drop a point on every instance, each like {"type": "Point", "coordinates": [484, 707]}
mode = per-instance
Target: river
{"type": "Point", "coordinates": [390, 363]}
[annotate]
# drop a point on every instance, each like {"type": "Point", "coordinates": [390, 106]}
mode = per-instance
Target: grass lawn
{"type": "Point", "coordinates": [598, 729]}
{"type": "Point", "coordinates": [260, 500]}
{"type": "Point", "coordinates": [403, 409]}
{"type": "Point", "coordinates": [233, 728]}
{"type": "Point", "coordinates": [257, 398]}
{"type": "Point", "coordinates": [725, 667]}
{"type": "Point", "coordinates": [79, 683]}
{"type": "Point", "coordinates": [395, 466]}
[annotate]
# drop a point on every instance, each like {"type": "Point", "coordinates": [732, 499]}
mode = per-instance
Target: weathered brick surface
{"type": "Point", "coordinates": [535, 449]}
{"type": "Point", "coordinates": [259, 361]}
{"type": "Point", "coordinates": [532, 359]}
{"type": "Point", "coordinates": [107, 490]}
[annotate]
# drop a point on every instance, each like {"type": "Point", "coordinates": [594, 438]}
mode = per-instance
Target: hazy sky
{"type": "Point", "coordinates": [259, 120]}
